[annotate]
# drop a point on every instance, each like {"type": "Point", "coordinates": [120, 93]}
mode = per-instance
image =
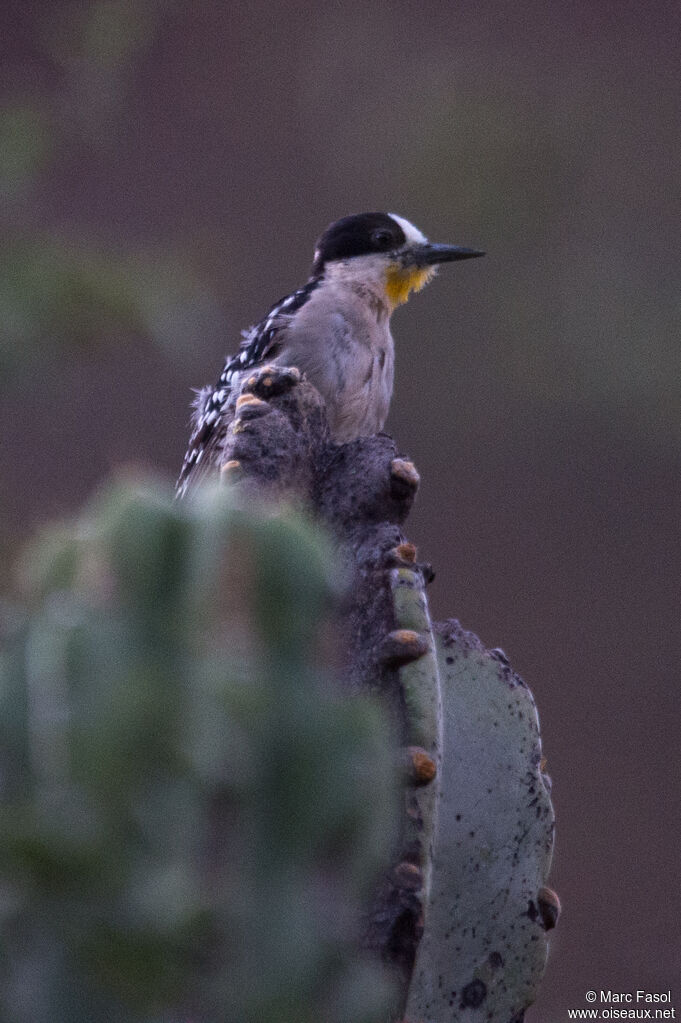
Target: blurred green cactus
{"type": "Point", "coordinates": [184, 828]}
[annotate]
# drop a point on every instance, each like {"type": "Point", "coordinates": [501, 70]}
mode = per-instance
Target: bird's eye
{"type": "Point", "coordinates": [382, 239]}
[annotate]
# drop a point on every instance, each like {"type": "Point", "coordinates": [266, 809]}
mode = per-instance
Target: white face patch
{"type": "Point", "coordinates": [411, 233]}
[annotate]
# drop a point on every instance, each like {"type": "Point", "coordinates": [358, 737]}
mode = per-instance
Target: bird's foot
{"type": "Point", "coordinates": [269, 381]}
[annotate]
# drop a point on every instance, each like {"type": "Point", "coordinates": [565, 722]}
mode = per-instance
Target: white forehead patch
{"type": "Point", "coordinates": [411, 233]}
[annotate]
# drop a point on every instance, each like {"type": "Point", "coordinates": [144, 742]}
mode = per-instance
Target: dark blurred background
{"type": "Point", "coordinates": [165, 169]}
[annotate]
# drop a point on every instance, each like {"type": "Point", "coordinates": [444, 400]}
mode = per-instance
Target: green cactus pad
{"type": "Point", "coordinates": [484, 947]}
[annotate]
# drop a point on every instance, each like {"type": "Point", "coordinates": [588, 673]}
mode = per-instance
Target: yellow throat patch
{"type": "Point", "coordinates": [399, 283]}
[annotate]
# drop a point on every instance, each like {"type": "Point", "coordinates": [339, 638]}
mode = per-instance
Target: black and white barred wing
{"type": "Point", "coordinates": [212, 412]}
{"type": "Point", "coordinates": [213, 408]}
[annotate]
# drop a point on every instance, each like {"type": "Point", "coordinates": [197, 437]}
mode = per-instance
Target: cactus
{"type": "Point", "coordinates": [184, 829]}
{"type": "Point", "coordinates": [193, 814]}
{"type": "Point", "coordinates": [462, 916]}
{"type": "Point", "coordinates": [483, 951]}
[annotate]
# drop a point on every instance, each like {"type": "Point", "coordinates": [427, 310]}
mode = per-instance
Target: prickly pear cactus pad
{"type": "Point", "coordinates": [484, 946]}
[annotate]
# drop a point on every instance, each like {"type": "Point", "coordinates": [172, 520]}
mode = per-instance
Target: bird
{"type": "Point", "coordinates": [335, 329]}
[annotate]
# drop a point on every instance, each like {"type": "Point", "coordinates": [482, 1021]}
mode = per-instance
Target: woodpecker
{"type": "Point", "coordinates": [335, 330]}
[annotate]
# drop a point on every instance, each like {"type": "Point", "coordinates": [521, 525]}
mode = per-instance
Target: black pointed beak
{"type": "Point", "coordinates": [429, 254]}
